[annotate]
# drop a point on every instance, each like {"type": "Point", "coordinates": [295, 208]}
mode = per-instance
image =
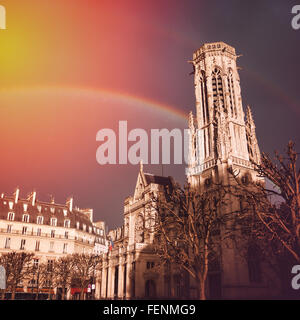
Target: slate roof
{"type": "Point", "coordinates": [47, 211]}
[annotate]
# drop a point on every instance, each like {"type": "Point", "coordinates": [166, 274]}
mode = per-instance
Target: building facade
{"type": "Point", "coordinates": [129, 269]}
{"type": "Point", "coordinates": [221, 138]}
{"type": "Point", "coordinates": [47, 229]}
{"type": "Point", "coordinates": [222, 141]}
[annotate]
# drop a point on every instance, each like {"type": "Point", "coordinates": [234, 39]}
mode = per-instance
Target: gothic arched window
{"type": "Point", "coordinates": [204, 102]}
{"type": "Point", "coordinates": [217, 86]}
{"type": "Point", "coordinates": [139, 229]}
{"type": "Point", "coordinates": [231, 93]}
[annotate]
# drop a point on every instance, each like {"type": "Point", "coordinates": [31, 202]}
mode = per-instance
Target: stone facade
{"type": "Point", "coordinates": [47, 229]}
{"type": "Point", "coordinates": [220, 139]}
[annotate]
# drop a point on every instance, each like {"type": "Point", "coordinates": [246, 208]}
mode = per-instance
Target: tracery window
{"type": "Point", "coordinates": [204, 102]}
{"type": "Point", "coordinates": [231, 93]}
{"type": "Point", "coordinates": [217, 86]}
{"type": "Point", "coordinates": [139, 230]}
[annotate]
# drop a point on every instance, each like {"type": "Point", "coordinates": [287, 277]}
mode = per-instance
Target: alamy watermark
{"type": "Point", "coordinates": [296, 19]}
{"type": "Point", "coordinates": [2, 278]}
{"type": "Point", "coordinates": [296, 278]}
{"type": "Point", "coordinates": [159, 144]}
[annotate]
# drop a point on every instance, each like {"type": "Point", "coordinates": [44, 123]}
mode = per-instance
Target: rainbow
{"type": "Point", "coordinates": [96, 93]}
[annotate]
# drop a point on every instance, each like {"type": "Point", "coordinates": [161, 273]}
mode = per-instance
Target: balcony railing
{"type": "Point", "coordinates": [46, 235]}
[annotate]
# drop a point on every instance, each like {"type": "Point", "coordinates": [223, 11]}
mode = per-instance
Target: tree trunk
{"type": "Point", "coordinates": [63, 293]}
{"type": "Point", "coordinates": [3, 294]}
{"type": "Point", "coordinates": [13, 292]}
{"type": "Point", "coordinates": [82, 294]}
{"type": "Point", "coordinates": [202, 295]}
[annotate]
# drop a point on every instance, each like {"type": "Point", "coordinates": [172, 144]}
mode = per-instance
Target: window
{"type": "Point", "coordinates": [22, 246]}
{"type": "Point", "coordinates": [84, 227]}
{"type": "Point", "coordinates": [65, 248]}
{"type": "Point", "coordinates": [7, 243]}
{"type": "Point", "coordinates": [8, 230]}
{"type": "Point", "coordinates": [150, 264]}
{"type": "Point", "coordinates": [40, 220]}
{"type": "Point", "coordinates": [52, 233]}
{"type": "Point", "coordinates": [217, 85]}
{"type": "Point", "coordinates": [25, 206]}
{"type": "Point", "coordinates": [38, 232]}
{"type": "Point", "coordinates": [51, 248]}
{"type": "Point", "coordinates": [25, 218]}
{"type": "Point", "coordinates": [11, 216]}
{"type": "Point", "coordinates": [231, 94]}
{"type": "Point", "coordinates": [77, 225]}
{"type": "Point", "coordinates": [90, 229]}
{"type": "Point", "coordinates": [49, 265]}
{"type": "Point", "coordinates": [35, 263]}
{"type": "Point", "coordinates": [139, 229]}
{"type": "Point", "coordinates": [204, 101]}
{"type": "Point", "coordinates": [67, 223]}
{"type": "Point", "coordinates": [66, 234]}
{"type": "Point", "coordinates": [37, 245]}
{"type": "Point", "coordinates": [24, 230]}
{"type": "Point", "coordinates": [53, 222]}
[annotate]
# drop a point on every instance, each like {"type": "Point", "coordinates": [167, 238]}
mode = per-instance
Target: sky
{"type": "Point", "coordinates": [69, 68]}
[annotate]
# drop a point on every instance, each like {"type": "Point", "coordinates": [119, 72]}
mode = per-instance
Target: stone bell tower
{"type": "Point", "coordinates": [219, 134]}
{"type": "Point", "coordinates": [221, 139]}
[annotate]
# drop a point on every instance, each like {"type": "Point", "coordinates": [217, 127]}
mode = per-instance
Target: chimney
{"type": "Point", "coordinates": [69, 203]}
{"type": "Point", "coordinates": [88, 213]}
{"type": "Point", "coordinates": [32, 198]}
{"type": "Point", "coordinates": [16, 194]}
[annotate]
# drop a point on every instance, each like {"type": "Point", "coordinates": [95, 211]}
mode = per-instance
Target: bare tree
{"type": "Point", "coordinates": [63, 268]}
{"type": "Point", "coordinates": [18, 266]}
{"type": "Point", "coordinates": [188, 225]}
{"type": "Point", "coordinates": [38, 277]}
{"type": "Point", "coordinates": [84, 270]}
{"type": "Point", "coordinates": [277, 209]}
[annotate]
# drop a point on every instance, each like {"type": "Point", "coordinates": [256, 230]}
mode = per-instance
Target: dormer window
{"type": "Point", "coordinates": [67, 224]}
{"type": "Point", "coordinates": [39, 220]}
{"type": "Point", "coordinates": [25, 218]}
{"type": "Point", "coordinates": [84, 227]}
{"type": "Point", "coordinates": [25, 206]}
{"type": "Point", "coordinates": [90, 229]}
{"type": "Point", "coordinates": [10, 204]}
{"type": "Point", "coordinates": [11, 216]}
{"type": "Point", "coordinates": [52, 210]}
{"type": "Point", "coordinates": [53, 222]}
{"type": "Point", "coordinates": [77, 225]}
{"type": "Point", "coordinates": [39, 208]}
{"type": "Point", "coordinates": [65, 212]}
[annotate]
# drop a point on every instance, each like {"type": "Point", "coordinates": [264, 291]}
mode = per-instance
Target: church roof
{"type": "Point", "coordinates": [164, 181]}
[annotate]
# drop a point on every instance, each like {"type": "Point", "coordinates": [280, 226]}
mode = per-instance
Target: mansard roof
{"type": "Point", "coordinates": [47, 210]}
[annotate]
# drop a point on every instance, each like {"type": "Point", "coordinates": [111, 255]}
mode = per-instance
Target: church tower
{"type": "Point", "coordinates": [223, 140]}
{"type": "Point", "coordinates": [220, 137]}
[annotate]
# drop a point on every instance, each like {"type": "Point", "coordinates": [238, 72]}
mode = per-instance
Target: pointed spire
{"type": "Point", "coordinates": [191, 121]}
{"type": "Point", "coordinates": [249, 117]}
